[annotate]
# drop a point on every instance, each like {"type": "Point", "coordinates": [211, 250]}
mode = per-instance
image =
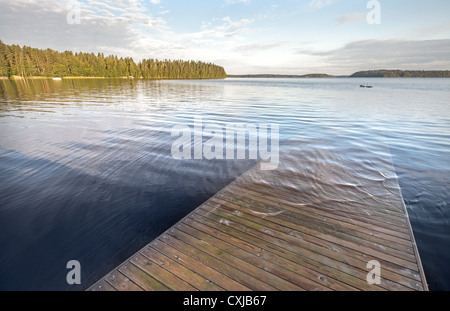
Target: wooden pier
{"type": "Point", "coordinates": [308, 225]}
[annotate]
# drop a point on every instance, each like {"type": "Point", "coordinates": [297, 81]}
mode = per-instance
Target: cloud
{"type": "Point", "coordinates": [319, 4]}
{"type": "Point", "coordinates": [117, 24]}
{"type": "Point", "coordinates": [236, 1]}
{"type": "Point", "coordinates": [258, 47]}
{"type": "Point", "coordinates": [389, 54]}
{"type": "Point", "coordinates": [119, 27]}
{"type": "Point", "coordinates": [355, 17]}
{"type": "Point", "coordinates": [230, 28]}
{"type": "Point", "coordinates": [227, 29]}
{"type": "Point", "coordinates": [121, 3]}
{"type": "Point", "coordinates": [434, 30]}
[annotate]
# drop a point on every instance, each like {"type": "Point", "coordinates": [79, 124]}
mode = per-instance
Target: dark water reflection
{"type": "Point", "coordinates": [86, 171]}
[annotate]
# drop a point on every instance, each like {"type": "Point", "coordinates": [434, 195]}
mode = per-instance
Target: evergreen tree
{"type": "Point", "coordinates": [27, 61]}
{"type": "Point", "coordinates": [4, 65]}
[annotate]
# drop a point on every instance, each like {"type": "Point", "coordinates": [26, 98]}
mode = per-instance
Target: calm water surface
{"type": "Point", "coordinates": [86, 170]}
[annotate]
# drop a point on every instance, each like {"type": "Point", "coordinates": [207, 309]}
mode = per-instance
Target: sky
{"type": "Point", "coordinates": [243, 36]}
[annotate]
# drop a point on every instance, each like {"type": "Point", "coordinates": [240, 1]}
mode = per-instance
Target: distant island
{"type": "Point", "coordinates": [361, 74]}
{"type": "Point", "coordinates": [402, 74]}
{"type": "Point", "coordinates": [26, 62]}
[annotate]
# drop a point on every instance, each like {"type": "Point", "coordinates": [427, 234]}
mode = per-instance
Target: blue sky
{"type": "Point", "coordinates": [244, 36]}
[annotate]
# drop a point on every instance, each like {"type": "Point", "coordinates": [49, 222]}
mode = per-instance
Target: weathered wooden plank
{"type": "Point", "coordinates": [306, 249]}
{"type": "Point", "coordinates": [334, 230]}
{"type": "Point", "coordinates": [120, 282]}
{"type": "Point", "coordinates": [278, 240]}
{"type": "Point", "coordinates": [304, 235]}
{"type": "Point", "coordinates": [141, 278]}
{"type": "Point", "coordinates": [277, 276]}
{"type": "Point", "coordinates": [288, 226]}
{"type": "Point", "coordinates": [335, 273]}
{"type": "Point", "coordinates": [102, 286]}
{"type": "Point", "coordinates": [258, 278]}
{"type": "Point", "coordinates": [331, 250]}
{"type": "Point", "coordinates": [331, 206]}
{"type": "Point", "coordinates": [179, 270]}
{"type": "Point", "coordinates": [162, 275]}
{"type": "Point", "coordinates": [220, 266]}
{"type": "Point", "coordinates": [369, 213]}
{"type": "Point", "coordinates": [170, 249]}
{"type": "Point", "coordinates": [310, 277]}
{"type": "Point", "coordinates": [337, 225]}
{"type": "Point", "coordinates": [391, 235]}
{"type": "Point", "coordinates": [327, 226]}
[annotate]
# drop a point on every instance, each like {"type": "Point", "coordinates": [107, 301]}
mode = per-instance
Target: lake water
{"type": "Point", "coordinates": [86, 170]}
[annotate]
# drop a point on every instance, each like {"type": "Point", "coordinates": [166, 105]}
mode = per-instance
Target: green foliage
{"type": "Point", "coordinates": [401, 74]}
{"type": "Point", "coordinates": [4, 68]}
{"type": "Point", "coordinates": [26, 62]}
{"type": "Point", "coordinates": [156, 69]}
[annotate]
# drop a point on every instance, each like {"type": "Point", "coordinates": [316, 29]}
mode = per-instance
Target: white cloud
{"type": "Point", "coordinates": [108, 23]}
{"type": "Point", "coordinates": [433, 31]}
{"type": "Point", "coordinates": [389, 54]}
{"type": "Point", "coordinates": [120, 27]}
{"type": "Point", "coordinates": [258, 47]}
{"type": "Point", "coordinates": [230, 28]}
{"type": "Point", "coordinates": [319, 4]}
{"type": "Point", "coordinates": [121, 3]}
{"type": "Point", "coordinates": [355, 17]}
{"type": "Point", "coordinates": [227, 29]}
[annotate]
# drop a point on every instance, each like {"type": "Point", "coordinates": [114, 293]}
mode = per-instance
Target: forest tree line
{"type": "Point", "coordinates": [31, 62]}
{"type": "Point", "coordinates": [402, 74]}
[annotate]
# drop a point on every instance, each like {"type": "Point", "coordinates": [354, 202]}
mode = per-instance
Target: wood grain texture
{"type": "Point", "coordinates": [291, 229]}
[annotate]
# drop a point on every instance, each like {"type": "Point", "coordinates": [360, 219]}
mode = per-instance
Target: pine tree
{"type": "Point", "coordinates": [5, 69]}
{"type": "Point", "coordinates": [27, 61]}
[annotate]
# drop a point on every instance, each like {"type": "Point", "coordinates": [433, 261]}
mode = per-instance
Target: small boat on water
{"type": "Point", "coordinates": [57, 79]}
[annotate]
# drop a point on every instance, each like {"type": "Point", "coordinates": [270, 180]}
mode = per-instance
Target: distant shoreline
{"type": "Point", "coordinates": [382, 73]}
{"type": "Point", "coordinates": [433, 74]}
{"type": "Point", "coordinates": [262, 76]}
